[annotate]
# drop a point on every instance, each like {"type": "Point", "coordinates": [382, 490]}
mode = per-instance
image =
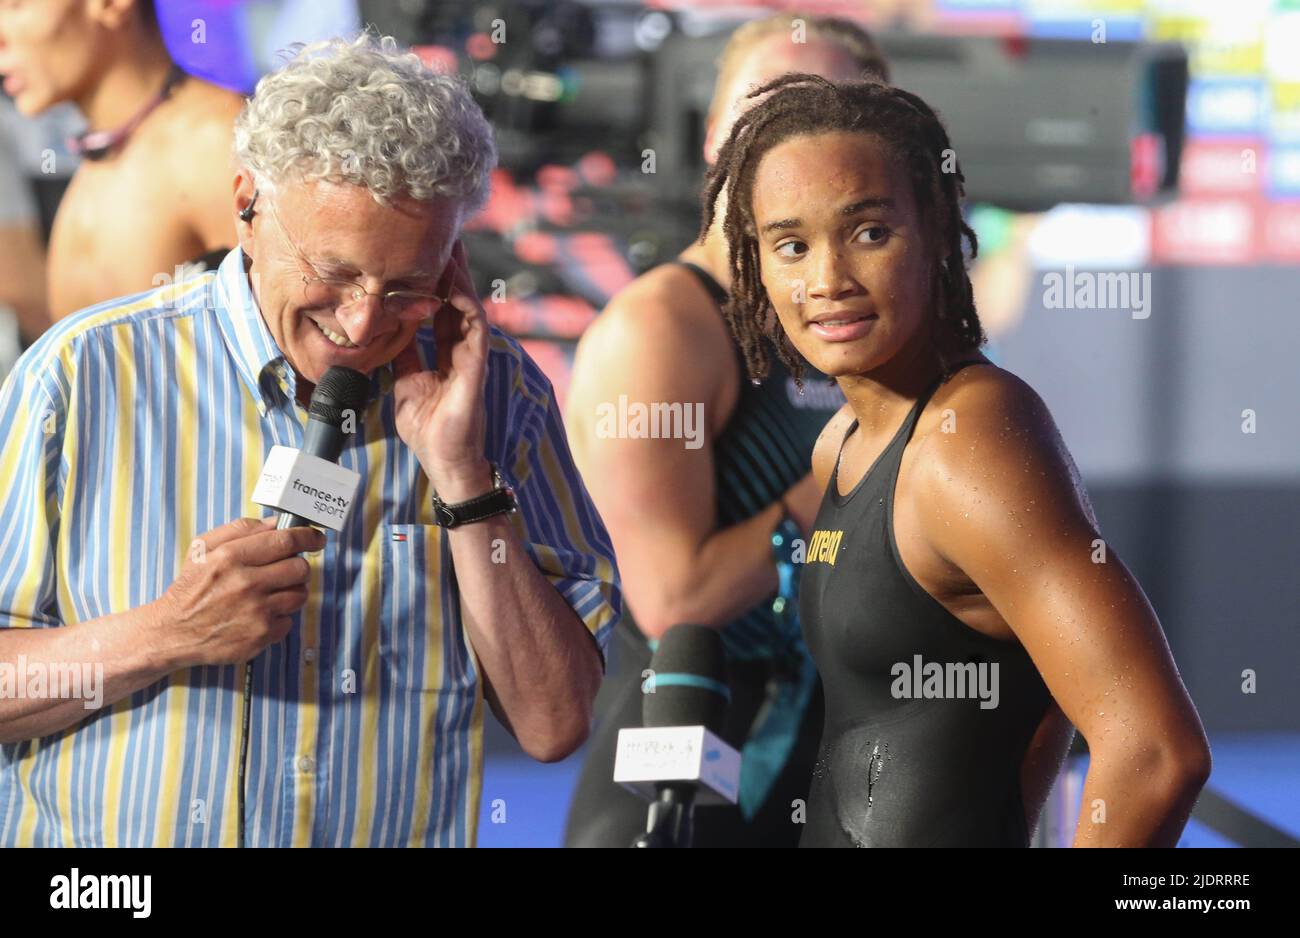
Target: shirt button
{"type": "Point", "coordinates": [309, 655]}
{"type": "Point", "coordinates": [306, 765]}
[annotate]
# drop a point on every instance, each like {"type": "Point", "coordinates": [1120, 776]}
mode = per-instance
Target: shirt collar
{"type": "Point", "coordinates": [258, 358]}
{"type": "Point", "coordinates": [250, 342]}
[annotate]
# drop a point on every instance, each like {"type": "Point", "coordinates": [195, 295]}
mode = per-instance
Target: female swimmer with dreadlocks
{"type": "Point", "coordinates": [956, 596]}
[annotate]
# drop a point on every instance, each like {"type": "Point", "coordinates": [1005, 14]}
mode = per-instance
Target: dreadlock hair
{"type": "Point", "coordinates": [802, 104]}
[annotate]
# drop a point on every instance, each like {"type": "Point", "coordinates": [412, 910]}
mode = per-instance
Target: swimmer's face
{"type": "Point", "coordinates": [839, 237]}
{"type": "Point", "coordinates": [339, 231]}
{"type": "Point", "coordinates": [770, 58]}
{"type": "Point", "coordinates": [50, 49]}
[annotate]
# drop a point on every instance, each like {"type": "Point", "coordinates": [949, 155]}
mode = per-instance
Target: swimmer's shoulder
{"type": "Point", "coordinates": [992, 399]}
{"type": "Point", "coordinates": [194, 135]}
{"type": "Point", "coordinates": [665, 301]}
{"type": "Point", "coordinates": [986, 433]}
{"type": "Point", "coordinates": [198, 114]}
{"type": "Point", "coordinates": [662, 333]}
{"type": "Point", "coordinates": [204, 104]}
{"type": "Point", "coordinates": [197, 140]}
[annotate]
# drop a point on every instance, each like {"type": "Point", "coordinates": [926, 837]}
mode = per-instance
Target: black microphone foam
{"type": "Point", "coordinates": [689, 680]}
{"type": "Point", "coordinates": [339, 392]}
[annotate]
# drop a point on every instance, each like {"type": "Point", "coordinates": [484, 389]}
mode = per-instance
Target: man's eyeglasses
{"type": "Point", "coordinates": [338, 292]}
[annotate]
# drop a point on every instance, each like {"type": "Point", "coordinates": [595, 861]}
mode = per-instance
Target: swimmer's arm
{"type": "Point", "coordinates": [656, 496]}
{"type": "Point", "coordinates": [1003, 502]}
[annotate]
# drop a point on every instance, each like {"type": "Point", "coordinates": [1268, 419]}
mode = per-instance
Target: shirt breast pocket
{"type": "Point", "coordinates": [422, 645]}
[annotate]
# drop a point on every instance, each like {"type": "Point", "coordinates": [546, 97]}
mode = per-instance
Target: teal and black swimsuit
{"type": "Point", "coordinates": [775, 713]}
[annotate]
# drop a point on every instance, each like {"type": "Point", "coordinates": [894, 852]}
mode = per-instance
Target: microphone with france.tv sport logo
{"type": "Point", "coordinates": [307, 486]}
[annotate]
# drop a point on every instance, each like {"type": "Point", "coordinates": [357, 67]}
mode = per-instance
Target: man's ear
{"type": "Point", "coordinates": [448, 278]}
{"type": "Point", "coordinates": [245, 194]}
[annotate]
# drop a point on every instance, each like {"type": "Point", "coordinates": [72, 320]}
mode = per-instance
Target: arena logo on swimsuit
{"type": "Point", "coordinates": [824, 547]}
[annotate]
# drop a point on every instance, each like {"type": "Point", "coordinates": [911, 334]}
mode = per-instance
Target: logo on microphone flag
{"type": "Point", "coordinates": [312, 488]}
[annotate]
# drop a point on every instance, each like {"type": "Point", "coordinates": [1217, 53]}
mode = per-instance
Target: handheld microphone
{"type": "Point", "coordinates": [678, 754]}
{"type": "Point", "coordinates": [341, 391]}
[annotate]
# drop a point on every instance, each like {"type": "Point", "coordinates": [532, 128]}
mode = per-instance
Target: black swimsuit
{"type": "Point", "coordinates": [914, 752]}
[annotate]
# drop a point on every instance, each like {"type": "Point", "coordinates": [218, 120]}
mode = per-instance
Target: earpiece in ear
{"type": "Point", "coordinates": [247, 212]}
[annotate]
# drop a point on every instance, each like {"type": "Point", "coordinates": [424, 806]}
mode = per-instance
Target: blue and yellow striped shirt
{"type": "Point", "coordinates": [136, 425]}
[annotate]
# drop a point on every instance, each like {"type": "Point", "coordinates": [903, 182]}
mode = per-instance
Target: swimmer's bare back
{"type": "Point", "coordinates": [991, 520]}
{"type": "Point", "coordinates": [164, 198]}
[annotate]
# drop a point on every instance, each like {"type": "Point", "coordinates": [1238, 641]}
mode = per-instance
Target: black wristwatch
{"type": "Point", "coordinates": [500, 500]}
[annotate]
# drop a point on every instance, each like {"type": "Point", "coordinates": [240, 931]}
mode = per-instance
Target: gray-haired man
{"type": "Point", "coordinates": [373, 656]}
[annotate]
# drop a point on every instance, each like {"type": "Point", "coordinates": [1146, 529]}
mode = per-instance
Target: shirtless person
{"type": "Point", "coordinates": [162, 189]}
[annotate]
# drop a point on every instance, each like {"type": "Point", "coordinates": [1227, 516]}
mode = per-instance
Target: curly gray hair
{"type": "Point", "coordinates": [361, 111]}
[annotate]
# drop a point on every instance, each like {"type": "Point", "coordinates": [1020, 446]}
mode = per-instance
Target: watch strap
{"type": "Point", "coordinates": [500, 500]}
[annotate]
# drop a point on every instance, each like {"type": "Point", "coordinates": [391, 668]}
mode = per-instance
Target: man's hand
{"type": "Point", "coordinates": [236, 595]}
{"type": "Point", "coordinates": [440, 414]}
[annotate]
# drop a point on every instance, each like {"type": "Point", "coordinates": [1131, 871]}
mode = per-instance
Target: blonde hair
{"type": "Point", "coordinates": [847, 34]}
